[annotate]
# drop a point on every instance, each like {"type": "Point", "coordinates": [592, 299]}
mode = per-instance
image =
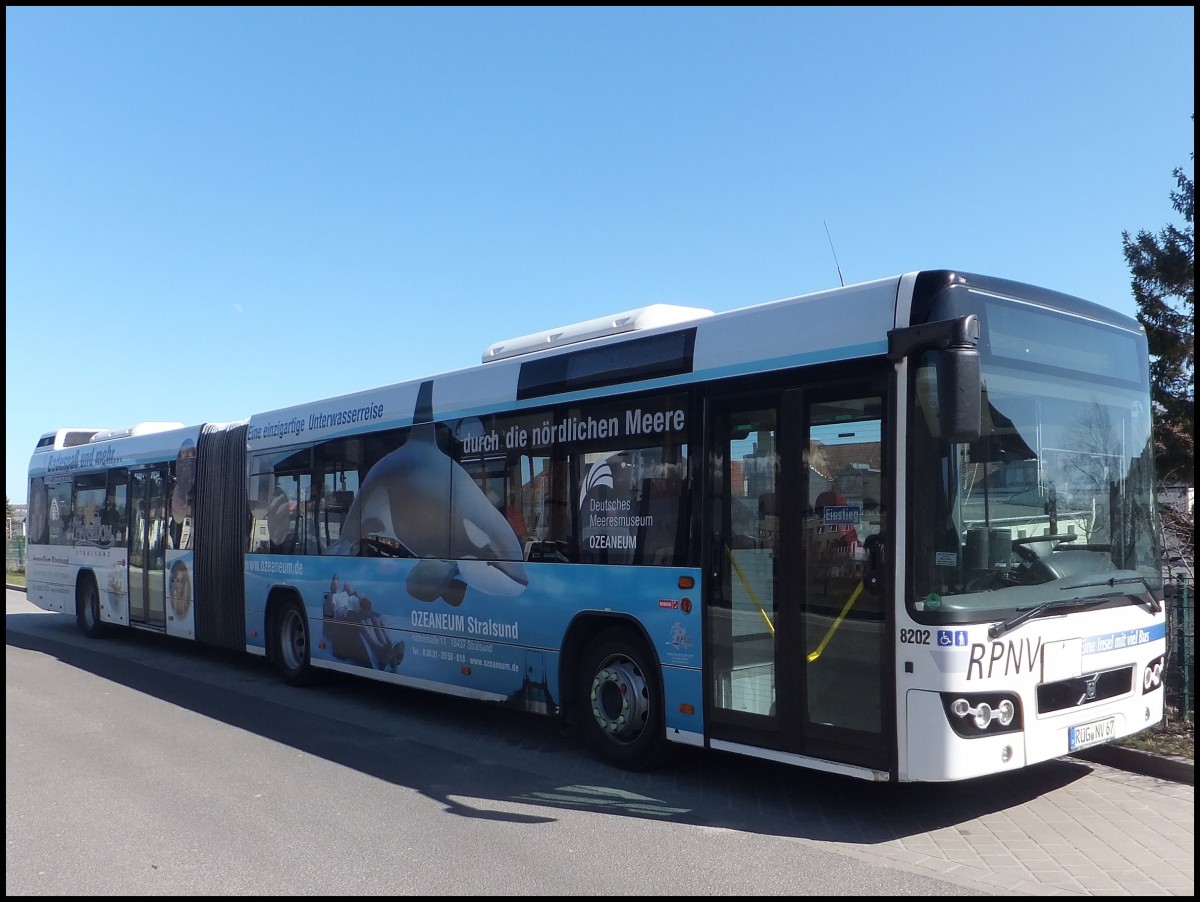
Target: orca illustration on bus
{"type": "Point", "coordinates": [404, 504]}
{"type": "Point", "coordinates": [904, 530]}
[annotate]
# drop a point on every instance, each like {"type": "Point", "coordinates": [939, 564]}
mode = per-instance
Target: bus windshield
{"type": "Point", "coordinates": [1055, 500]}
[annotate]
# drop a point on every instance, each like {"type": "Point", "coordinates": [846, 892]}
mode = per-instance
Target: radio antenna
{"type": "Point", "coordinates": [835, 259]}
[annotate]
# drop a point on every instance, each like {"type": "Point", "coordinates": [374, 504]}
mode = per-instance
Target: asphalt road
{"type": "Point", "coordinates": [140, 765]}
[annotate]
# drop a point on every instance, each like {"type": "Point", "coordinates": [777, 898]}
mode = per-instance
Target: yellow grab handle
{"type": "Point", "coordinates": [833, 626]}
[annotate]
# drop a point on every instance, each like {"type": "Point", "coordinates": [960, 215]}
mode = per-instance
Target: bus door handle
{"type": "Point", "coordinates": [876, 561]}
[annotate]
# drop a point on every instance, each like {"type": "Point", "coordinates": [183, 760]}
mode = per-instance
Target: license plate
{"type": "Point", "coordinates": [1082, 736]}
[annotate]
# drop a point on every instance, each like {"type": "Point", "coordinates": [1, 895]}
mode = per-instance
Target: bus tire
{"type": "Point", "coordinates": [87, 609]}
{"type": "Point", "coordinates": [620, 702]}
{"type": "Point", "coordinates": [292, 639]}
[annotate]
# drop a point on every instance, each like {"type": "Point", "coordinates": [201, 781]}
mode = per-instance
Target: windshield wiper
{"type": "Point", "coordinates": [999, 629]}
{"type": "Point", "coordinates": [1115, 581]}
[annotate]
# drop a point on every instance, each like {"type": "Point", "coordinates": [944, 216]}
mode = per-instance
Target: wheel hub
{"type": "Point", "coordinates": [620, 701]}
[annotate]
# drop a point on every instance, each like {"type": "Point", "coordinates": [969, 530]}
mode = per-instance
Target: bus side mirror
{"type": "Point", "coordinates": [958, 387]}
{"type": "Point", "coordinates": [956, 341]}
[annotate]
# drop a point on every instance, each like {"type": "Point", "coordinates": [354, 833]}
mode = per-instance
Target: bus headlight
{"type": "Point", "coordinates": [974, 714]}
{"type": "Point", "coordinates": [1152, 676]}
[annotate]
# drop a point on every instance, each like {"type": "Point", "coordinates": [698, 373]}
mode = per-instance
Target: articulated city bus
{"type": "Point", "coordinates": [901, 531]}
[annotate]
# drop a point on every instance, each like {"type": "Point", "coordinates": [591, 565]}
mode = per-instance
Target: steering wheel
{"type": "Point", "coordinates": [1021, 545]}
{"type": "Point", "coordinates": [381, 546]}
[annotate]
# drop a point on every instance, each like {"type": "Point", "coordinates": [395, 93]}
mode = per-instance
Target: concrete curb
{"type": "Point", "coordinates": [1166, 767]}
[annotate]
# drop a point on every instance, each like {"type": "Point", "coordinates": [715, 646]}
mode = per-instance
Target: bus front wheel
{"type": "Point", "coordinates": [291, 654]}
{"type": "Point", "coordinates": [620, 702]}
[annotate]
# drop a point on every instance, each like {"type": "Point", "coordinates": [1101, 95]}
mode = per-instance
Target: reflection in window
{"type": "Point", "coordinates": [597, 483]}
{"type": "Point", "coordinates": [602, 483]}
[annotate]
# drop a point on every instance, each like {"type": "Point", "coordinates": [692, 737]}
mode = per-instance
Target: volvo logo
{"type": "Point", "coordinates": [1089, 689]}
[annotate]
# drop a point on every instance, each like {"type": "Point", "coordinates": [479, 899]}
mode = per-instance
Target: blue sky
{"type": "Point", "coordinates": [212, 212]}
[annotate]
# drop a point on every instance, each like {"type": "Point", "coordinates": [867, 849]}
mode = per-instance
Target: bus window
{"type": "Point", "coordinates": [283, 512]}
{"type": "Point", "coordinates": [89, 509]}
{"type": "Point", "coordinates": [336, 467]}
{"type": "Point", "coordinates": [116, 507]}
{"type": "Point", "coordinates": [61, 511]}
{"type": "Point", "coordinates": [631, 484]}
{"type": "Point", "coordinates": [182, 498]}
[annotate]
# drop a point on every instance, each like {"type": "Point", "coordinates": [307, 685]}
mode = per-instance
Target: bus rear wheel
{"type": "Point", "coordinates": [87, 609]}
{"type": "Point", "coordinates": [620, 702]}
{"type": "Point", "coordinates": [291, 635]}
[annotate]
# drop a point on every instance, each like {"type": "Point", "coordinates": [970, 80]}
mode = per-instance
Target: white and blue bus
{"type": "Point", "coordinates": [902, 531]}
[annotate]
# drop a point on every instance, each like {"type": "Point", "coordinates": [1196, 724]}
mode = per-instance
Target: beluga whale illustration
{"type": "Point", "coordinates": [419, 502]}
